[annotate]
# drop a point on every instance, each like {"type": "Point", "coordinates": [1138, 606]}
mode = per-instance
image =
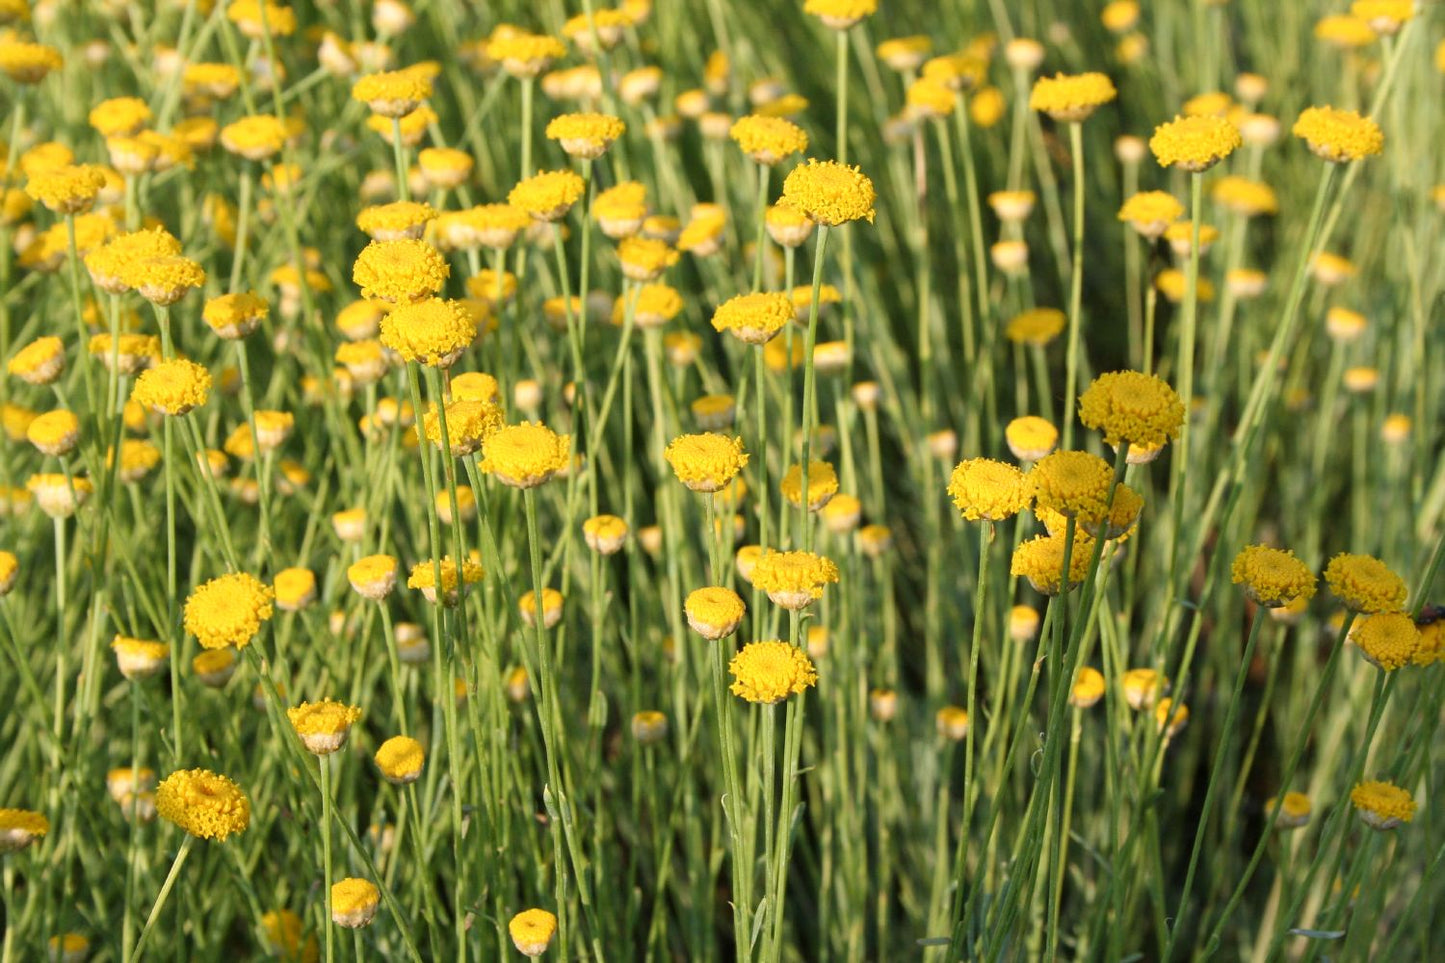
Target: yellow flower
{"type": "Point", "coordinates": [604, 534]}
{"type": "Point", "coordinates": [1170, 718]}
{"type": "Point", "coordinates": [653, 305]}
{"type": "Point", "coordinates": [769, 672]}
{"type": "Point", "coordinates": [469, 425]}
{"type": "Point", "coordinates": [283, 935]}
{"type": "Point", "coordinates": [40, 362]}
{"type": "Point", "coordinates": [400, 272]}
{"type": "Point", "coordinates": [19, 828]}
{"type": "Point", "coordinates": [787, 226]}
{"type": "Point", "coordinates": [323, 726]}
{"type": "Point", "coordinates": [840, 14]}
{"type": "Point", "coordinates": [1031, 437]}
{"type": "Point", "coordinates": [228, 610]}
{"type": "Point", "coordinates": [649, 727]}
{"type": "Point", "coordinates": [172, 387]}
{"type": "Point", "coordinates": [793, 579]}
{"type": "Point", "coordinates": [524, 54]}
{"type": "Point", "coordinates": [547, 196]}
{"type": "Point", "coordinates": [714, 612]}
{"type": "Point", "coordinates": [645, 258]}
{"type": "Point", "coordinates": [984, 488]}
{"type": "Point", "coordinates": [1088, 687]}
{"type": "Point", "coordinates": [55, 432]}
{"type": "Point", "coordinates": [905, 54]}
{"type": "Point", "coordinates": [754, 318]}
{"type": "Point", "coordinates": [373, 576]}
{"type": "Point", "coordinates": [392, 93]}
{"type": "Point", "coordinates": [1344, 31]}
{"type": "Point", "coordinates": [1387, 640]}
{"type": "Point", "coordinates": [830, 193]}
{"type": "Point", "coordinates": [203, 803]}
{"type": "Point", "coordinates": [9, 572]}
{"type": "Point", "coordinates": [354, 902]}
{"type": "Point", "coordinates": [254, 138]}
{"type": "Point", "coordinates": [233, 316]}
{"type": "Point", "coordinates": [1291, 812]}
{"type": "Point", "coordinates": [400, 220]}
{"type": "Point", "coordinates": [255, 18]}
{"type": "Point", "coordinates": [706, 462]}
{"type": "Point", "coordinates": [951, 722]}
{"type": "Point", "coordinates": [525, 455]}
{"type": "Point", "coordinates": [119, 116]}
{"type": "Point", "coordinates": [1173, 284]}
{"type": "Point", "coordinates": [1151, 212]}
{"type": "Point", "coordinates": [822, 485]}
{"type": "Point", "coordinates": [414, 125]}
{"type": "Point", "coordinates": [551, 607]}
{"type": "Point", "coordinates": [532, 931]}
{"type": "Point", "coordinates": [767, 140]}
{"type": "Point", "coordinates": [70, 189]}
{"type": "Point", "coordinates": [431, 332]}
{"type": "Point", "coordinates": [57, 495]}
{"type": "Point", "coordinates": [163, 280]}
{"type": "Point", "coordinates": [27, 63]}
{"type": "Point", "coordinates": [1383, 805]}
{"type": "Point", "coordinates": [1244, 197]}
{"type": "Point", "coordinates": [1365, 584]}
{"type": "Point", "coordinates": [1073, 483]}
{"type": "Point", "coordinates": [1071, 98]}
{"type": "Point", "coordinates": [1132, 407]}
{"type": "Point", "coordinates": [139, 658]}
{"type": "Point", "coordinates": [400, 760]}
{"type": "Point", "coordinates": [1272, 577]}
{"type": "Point", "coordinates": [1194, 143]}
{"type": "Point", "coordinates": [1037, 326]}
{"type": "Point", "coordinates": [1041, 561]}
{"type": "Point", "coordinates": [927, 97]}
{"type": "Point", "coordinates": [585, 135]}
{"type": "Point", "coordinates": [423, 577]}
{"type": "Point", "coordinates": [294, 588]}
{"type": "Point", "coordinates": [1385, 17]}
{"type": "Point", "coordinates": [1339, 136]}
{"type": "Point", "coordinates": [1431, 624]}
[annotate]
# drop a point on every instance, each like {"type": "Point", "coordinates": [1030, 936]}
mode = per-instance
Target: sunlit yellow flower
{"type": "Point", "coordinates": [256, 138]}
{"type": "Point", "coordinates": [1387, 640]}
{"type": "Point", "coordinates": [55, 432]}
{"type": "Point", "coordinates": [139, 658]}
{"type": "Point", "coordinates": [1272, 577]}
{"type": "Point", "coordinates": [840, 14]}
{"type": "Point", "coordinates": [1031, 437]}
{"type": "Point", "coordinates": [1385, 17]}
{"type": "Point", "coordinates": [203, 803]}
{"type": "Point", "coordinates": [767, 140]}
{"type": "Point", "coordinates": [228, 610]}
{"type": "Point", "coordinates": [604, 534]}
{"type": "Point", "coordinates": [986, 489]}
{"type": "Point", "coordinates": [547, 196]}
{"type": "Point", "coordinates": [532, 931]}
{"type": "Point", "coordinates": [27, 63]}
{"type": "Point", "coordinates": [1194, 143]}
{"type": "Point", "coordinates": [585, 135]}
{"type": "Point", "coordinates": [423, 577]}
{"type": "Point", "coordinates": [793, 579]}
{"type": "Point", "coordinates": [1132, 407]}
{"type": "Point", "coordinates": [1382, 805]}
{"type": "Point", "coordinates": [525, 455]}
{"type": "Point", "coordinates": [1088, 687]}
{"type": "Point", "coordinates": [1365, 584]}
{"type": "Point", "coordinates": [830, 193]}
{"type": "Point", "coordinates": [1150, 213]}
{"type": "Point", "coordinates": [57, 495]}
{"type": "Point", "coordinates": [524, 54]}
{"type": "Point", "coordinates": [394, 93]}
{"type": "Point", "coordinates": [1073, 98]}
{"type": "Point", "coordinates": [1041, 561]}
{"type": "Point", "coordinates": [706, 462]}
{"type": "Point", "coordinates": [354, 901]}
{"type": "Point", "coordinates": [714, 612]}
{"type": "Point", "coordinates": [769, 672]}
{"type": "Point", "coordinates": [173, 387]}
{"type": "Point", "coordinates": [40, 362]}
{"type": "Point", "coordinates": [1339, 136]}
{"type": "Point", "coordinates": [69, 189]}
{"type": "Point", "coordinates": [1037, 326]}
{"type": "Point", "coordinates": [400, 272]}
{"type": "Point", "coordinates": [323, 726]}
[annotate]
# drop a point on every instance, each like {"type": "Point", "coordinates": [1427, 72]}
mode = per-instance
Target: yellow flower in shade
{"type": "Point", "coordinates": [988, 489]}
{"type": "Point", "coordinates": [354, 902]}
{"type": "Point", "coordinates": [1272, 577]}
{"type": "Point", "coordinates": [128, 354]}
{"type": "Point", "coordinates": [323, 726]}
{"type": "Point", "coordinates": [57, 495]}
{"type": "Point", "coordinates": [585, 135]}
{"type": "Point", "coordinates": [163, 280]}
{"type": "Point", "coordinates": [1339, 136]}
{"type": "Point", "coordinates": [1037, 326]}
{"type": "Point", "coordinates": [767, 140]}
{"type": "Point", "coordinates": [445, 168]}
{"type": "Point", "coordinates": [1194, 144]}
{"type": "Point", "coordinates": [203, 803]}
{"type": "Point", "coordinates": [830, 193]}
{"type": "Point", "coordinates": [255, 138]}
{"type": "Point", "coordinates": [119, 116]}
{"type": "Point", "coordinates": [787, 226]}
{"type": "Point", "coordinates": [1383, 805]}
{"type": "Point", "coordinates": [1365, 584]}
{"type": "Point", "coordinates": [284, 932]}
{"type": "Point", "coordinates": [1150, 213]}
{"type": "Point", "coordinates": [551, 607]}
{"type": "Point", "coordinates": [214, 667]}
{"type": "Point", "coordinates": [1031, 437]}
{"type": "Point", "coordinates": [621, 210]}
{"type": "Point", "coordinates": [401, 272]}
{"type": "Point", "coordinates": [951, 722]}
{"type": "Point", "coordinates": [392, 93]}
{"type": "Point", "coordinates": [524, 54]}
{"type": "Point", "coordinates": [754, 318]}
{"type": "Point", "coordinates": [525, 455]}
{"type": "Point", "coordinates": [1073, 483]}
{"type": "Point", "coordinates": [1088, 687]}
{"type": "Point", "coordinates": [840, 14]}
{"type": "Point", "coordinates": [769, 672]}
{"type": "Point", "coordinates": [1244, 197]}
{"type": "Point", "coordinates": [822, 485]}
{"type": "Point", "coordinates": [423, 577]}
{"type": "Point", "coordinates": [714, 612]}
{"type": "Point", "coordinates": [1290, 812]}
{"type": "Point", "coordinates": [9, 572]}
{"type": "Point", "coordinates": [40, 362]}
{"type": "Point", "coordinates": [139, 658]}
{"type": "Point", "coordinates": [228, 610]}
{"type": "Point", "coordinates": [55, 432]}
{"type": "Point", "coordinates": [645, 258]}
{"type": "Point", "coordinates": [1172, 283]}
{"type": "Point", "coordinates": [1142, 687]}
{"type": "Point", "coordinates": [400, 760]}
{"type": "Point", "coordinates": [172, 387]}
{"type": "Point", "coordinates": [605, 534]}
{"type": "Point", "coordinates": [793, 579]}
{"type": "Point", "coordinates": [397, 221]}
{"type": "Point", "coordinates": [373, 576]}
{"type": "Point", "coordinates": [905, 54]}
{"type": "Point", "coordinates": [1133, 407]}
{"type": "Point", "coordinates": [706, 462]}
{"type": "Point", "coordinates": [1385, 17]}
{"type": "Point", "coordinates": [294, 589]}
{"type": "Point", "coordinates": [1387, 640]}
{"type": "Point", "coordinates": [27, 63]}
{"type": "Point", "coordinates": [19, 828]}
{"type": "Point", "coordinates": [532, 931]}
{"type": "Point", "coordinates": [547, 196]}
{"type": "Point", "coordinates": [1041, 561]}
{"type": "Point", "coordinates": [69, 189]}
{"type": "Point", "coordinates": [469, 425]}
{"type": "Point", "coordinates": [1431, 624]}
{"type": "Point", "coordinates": [256, 18]}
{"type": "Point", "coordinates": [1170, 718]}
{"type": "Point", "coordinates": [233, 316]}
{"type": "Point", "coordinates": [431, 332]}
{"type": "Point", "coordinates": [1071, 98]}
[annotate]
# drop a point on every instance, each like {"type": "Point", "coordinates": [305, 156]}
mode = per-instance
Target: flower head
{"type": "Point", "coordinates": [139, 658]}
{"type": "Point", "coordinates": [1339, 136]}
{"type": "Point", "coordinates": [55, 432]}
{"type": "Point", "coordinates": [255, 138]}
{"type": "Point", "coordinates": [373, 576]}
{"type": "Point", "coordinates": [986, 489]}
{"type": "Point", "coordinates": [1365, 584]}
{"type": "Point", "coordinates": [585, 135]}
{"type": "Point", "coordinates": [793, 579]}
{"type": "Point", "coordinates": [27, 63]}
{"type": "Point", "coordinates": [830, 193]}
{"type": "Point", "coordinates": [532, 931]}
{"type": "Point", "coordinates": [1132, 407]}
{"type": "Point", "coordinates": [228, 610]}
{"type": "Point", "coordinates": [323, 726]}
{"type": "Point", "coordinates": [1041, 561]}
{"type": "Point", "coordinates": [769, 672]}
{"type": "Point", "coordinates": [1151, 212]}
{"type": "Point", "coordinates": [524, 54]}
{"type": "Point", "coordinates": [172, 387]}
{"type": "Point", "coordinates": [714, 612]}
{"type": "Point", "coordinates": [165, 279]}
{"type": "Point", "coordinates": [1031, 437]}
{"type": "Point", "coordinates": [19, 828]}
{"type": "Point", "coordinates": [1272, 577]}
{"type": "Point", "coordinates": [525, 455]}
{"type": "Point", "coordinates": [1194, 143]}
{"type": "Point", "coordinates": [69, 189]}
{"type": "Point", "coordinates": [1383, 805]}
{"type": "Point", "coordinates": [547, 196]}
{"type": "Point", "coordinates": [431, 332]}
{"type": "Point", "coordinates": [392, 93]}
{"type": "Point", "coordinates": [424, 577]}
{"type": "Point", "coordinates": [605, 534]}
{"type": "Point", "coordinates": [1037, 326]}
{"type": "Point", "coordinates": [401, 272]}
{"type": "Point", "coordinates": [469, 425]}
{"type": "Point", "coordinates": [840, 14]}
{"type": "Point", "coordinates": [203, 803]}
{"type": "Point", "coordinates": [1073, 483]}
{"type": "Point", "coordinates": [400, 760]}
{"type": "Point", "coordinates": [754, 318]}
{"type": "Point", "coordinates": [706, 462]}
{"type": "Point", "coordinates": [645, 258]}
{"type": "Point", "coordinates": [1073, 98]}
{"type": "Point", "coordinates": [354, 902]}
{"type": "Point", "coordinates": [1088, 687]}
{"type": "Point", "coordinates": [767, 140]}
{"type": "Point", "coordinates": [1387, 640]}
{"type": "Point", "coordinates": [233, 316]}
{"type": "Point", "coordinates": [822, 485]}
{"type": "Point", "coordinates": [40, 362]}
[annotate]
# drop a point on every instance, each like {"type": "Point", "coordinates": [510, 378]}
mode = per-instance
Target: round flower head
{"type": "Point", "coordinates": [822, 485]}
{"type": "Point", "coordinates": [1365, 584]}
{"type": "Point", "coordinates": [40, 362]}
{"type": "Point", "coordinates": [984, 488]}
{"type": "Point", "coordinates": [787, 226]}
{"type": "Point", "coordinates": [1088, 687]}
{"type": "Point", "coordinates": [119, 116]}
{"type": "Point", "coordinates": [621, 210]}
{"type": "Point", "coordinates": [951, 722]}
{"type": "Point", "coordinates": [69, 189]}
{"type": "Point", "coordinates": [1037, 326]}
{"type": "Point", "coordinates": [840, 14]}
{"type": "Point", "coordinates": [233, 316]}
{"type": "Point", "coordinates": [27, 63]}
{"type": "Point", "coordinates": [228, 610]}
{"type": "Point", "coordinates": [767, 140]}
{"type": "Point", "coordinates": [842, 514]}
{"type": "Point", "coordinates": [172, 387]}
{"type": "Point", "coordinates": [1290, 812]}
{"type": "Point", "coordinates": [605, 534]}
{"type": "Point", "coordinates": [1382, 805]}
{"type": "Point", "coordinates": [830, 193]}
{"type": "Point", "coordinates": [1041, 561]}
{"type": "Point", "coordinates": [1071, 98]}
{"type": "Point", "coordinates": [524, 54]}
{"type": "Point", "coordinates": [401, 272]}
{"type": "Point", "coordinates": [55, 432]}
{"type": "Point", "coordinates": [57, 495]}
{"type": "Point", "coordinates": [649, 727]}
{"type": "Point", "coordinates": [645, 258]}
{"type": "Point", "coordinates": [423, 577]}
{"type": "Point", "coordinates": [714, 612]}
{"type": "Point", "coordinates": [706, 462]}
{"type": "Point", "coordinates": [1170, 718]}
{"type": "Point", "coordinates": [551, 607]}
{"type": "Point", "coordinates": [1387, 640]}
{"type": "Point", "coordinates": [294, 589]}
{"type": "Point", "coordinates": [254, 138]}
{"type": "Point", "coordinates": [214, 667]}
{"type": "Point", "coordinates": [1142, 687]}
{"type": "Point", "coordinates": [793, 579]}
{"type": "Point", "coordinates": [397, 221]}
{"type": "Point", "coordinates": [1073, 483]}
{"type": "Point", "coordinates": [323, 726]}
{"type": "Point", "coordinates": [19, 828]}
{"type": "Point", "coordinates": [1031, 437]}
{"type": "Point", "coordinates": [532, 931]}
{"type": "Point", "coordinates": [1150, 213]}
{"type": "Point", "coordinates": [753, 318]}
{"type": "Point", "coordinates": [393, 93]}
{"type": "Point", "coordinates": [1194, 143]}
{"type": "Point", "coordinates": [1339, 136]}
{"type": "Point", "coordinates": [354, 902]}
{"type": "Point", "coordinates": [1272, 577]}
{"type": "Point", "coordinates": [9, 572]}
{"type": "Point", "coordinates": [1384, 17]}
{"type": "Point", "coordinates": [547, 196]}
{"type": "Point", "coordinates": [203, 803]}
{"type": "Point", "coordinates": [139, 658]}
{"type": "Point", "coordinates": [769, 672]}
{"type": "Point", "coordinates": [1245, 197]}
{"type": "Point", "coordinates": [585, 135]}
{"type": "Point", "coordinates": [526, 455]}
{"type": "Point", "coordinates": [400, 760]}
{"type": "Point", "coordinates": [431, 332]}
{"type": "Point", "coordinates": [163, 280]}
{"type": "Point", "coordinates": [1133, 407]}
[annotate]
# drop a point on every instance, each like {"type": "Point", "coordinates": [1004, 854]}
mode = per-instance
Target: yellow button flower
{"type": "Point", "coordinates": [1365, 584]}
{"type": "Point", "coordinates": [526, 455]}
{"type": "Point", "coordinates": [1132, 407]}
{"type": "Point", "coordinates": [1194, 144]}
{"type": "Point", "coordinates": [400, 760]}
{"type": "Point", "coordinates": [532, 931]}
{"type": "Point", "coordinates": [830, 193]}
{"type": "Point", "coordinates": [706, 462]}
{"type": "Point", "coordinates": [1073, 483]}
{"type": "Point", "coordinates": [986, 489]}
{"type": "Point", "coordinates": [768, 672]}
{"type": "Point", "coordinates": [228, 610]}
{"type": "Point", "coordinates": [323, 726]}
{"type": "Point", "coordinates": [1339, 136]}
{"type": "Point", "coordinates": [547, 196]}
{"type": "Point", "coordinates": [585, 135]}
{"type": "Point", "coordinates": [714, 612]}
{"type": "Point", "coordinates": [1387, 640]}
{"type": "Point", "coordinates": [354, 902]}
{"type": "Point", "coordinates": [172, 387]}
{"type": "Point", "coordinates": [754, 318]}
{"type": "Point", "coordinates": [1272, 577]}
{"type": "Point", "coordinates": [1071, 99]}
{"type": "Point", "coordinates": [767, 140]}
{"type": "Point", "coordinates": [1383, 805]}
{"type": "Point", "coordinates": [203, 803]}
{"type": "Point", "coordinates": [401, 272]}
{"type": "Point", "coordinates": [793, 579]}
